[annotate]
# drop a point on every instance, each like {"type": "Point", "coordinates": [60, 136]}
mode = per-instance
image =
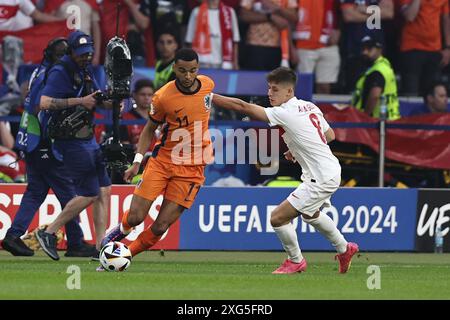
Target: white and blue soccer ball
{"type": "Point", "coordinates": [115, 256]}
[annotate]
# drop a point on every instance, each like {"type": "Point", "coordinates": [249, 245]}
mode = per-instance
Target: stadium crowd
{"type": "Point", "coordinates": [323, 37]}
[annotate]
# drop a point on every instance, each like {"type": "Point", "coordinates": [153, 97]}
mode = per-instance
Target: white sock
{"type": "Point", "coordinates": [288, 238]}
{"type": "Point", "coordinates": [325, 225]}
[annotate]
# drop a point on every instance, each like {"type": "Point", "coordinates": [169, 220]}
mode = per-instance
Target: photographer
{"type": "Point", "coordinates": [69, 95]}
{"type": "Point", "coordinates": [43, 170]}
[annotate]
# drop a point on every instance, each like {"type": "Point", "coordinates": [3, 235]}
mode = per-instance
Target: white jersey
{"type": "Point", "coordinates": [14, 14]}
{"type": "Point", "coordinates": [305, 128]}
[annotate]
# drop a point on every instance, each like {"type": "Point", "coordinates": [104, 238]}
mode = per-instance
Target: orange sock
{"type": "Point", "coordinates": [126, 227]}
{"type": "Point", "coordinates": [144, 241]}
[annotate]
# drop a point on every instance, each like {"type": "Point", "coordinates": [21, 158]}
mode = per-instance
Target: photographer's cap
{"type": "Point", "coordinates": [371, 41]}
{"type": "Point", "coordinates": [80, 43]}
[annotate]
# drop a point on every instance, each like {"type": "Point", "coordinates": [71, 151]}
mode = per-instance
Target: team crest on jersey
{"type": "Point", "coordinates": [152, 109]}
{"type": "Point", "coordinates": [208, 102]}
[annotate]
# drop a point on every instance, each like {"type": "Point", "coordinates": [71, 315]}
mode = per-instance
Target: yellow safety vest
{"type": "Point", "coordinates": [283, 182]}
{"type": "Point", "coordinates": [383, 66]}
{"type": "Point", "coordinates": [162, 77]}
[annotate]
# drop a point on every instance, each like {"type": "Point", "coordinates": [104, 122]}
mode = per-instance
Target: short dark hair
{"type": "Point", "coordinates": [142, 83]}
{"type": "Point", "coordinates": [186, 54]}
{"type": "Point", "coordinates": [282, 75]}
{"type": "Point", "coordinates": [432, 87]}
{"type": "Point", "coordinates": [174, 33]}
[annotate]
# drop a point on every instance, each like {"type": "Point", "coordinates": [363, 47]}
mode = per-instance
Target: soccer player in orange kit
{"type": "Point", "coordinates": [176, 168]}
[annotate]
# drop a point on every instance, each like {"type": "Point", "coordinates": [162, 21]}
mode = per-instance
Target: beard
{"type": "Point", "coordinates": [366, 61]}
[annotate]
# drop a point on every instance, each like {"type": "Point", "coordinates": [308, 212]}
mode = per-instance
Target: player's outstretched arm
{"type": "Point", "coordinates": [254, 111]}
{"type": "Point", "coordinates": [143, 144]}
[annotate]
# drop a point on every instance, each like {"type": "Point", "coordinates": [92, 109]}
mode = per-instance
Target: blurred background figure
{"type": "Point", "coordinates": [355, 27]}
{"type": "Point", "coordinates": [378, 84]}
{"type": "Point", "coordinates": [425, 44]}
{"type": "Point", "coordinates": [317, 37]}
{"type": "Point", "coordinates": [268, 39]}
{"type": "Point", "coordinates": [142, 95]}
{"type": "Point", "coordinates": [88, 22]}
{"type": "Point", "coordinates": [213, 33]}
{"type": "Point", "coordinates": [167, 44]}
{"type": "Point", "coordinates": [435, 100]}
{"type": "Point", "coordinates": [17, 15]}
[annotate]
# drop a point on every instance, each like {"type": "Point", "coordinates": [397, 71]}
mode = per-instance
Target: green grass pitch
{"type": "Point", "coordinates": [214, 275]}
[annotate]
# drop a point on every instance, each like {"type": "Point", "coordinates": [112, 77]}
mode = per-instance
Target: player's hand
{"type": "Point", "coordinates": [131, 172]}
{"type": "Point", "coordinates": [289, 157]}
{"type": "Point", "coordinates": [89, 101]}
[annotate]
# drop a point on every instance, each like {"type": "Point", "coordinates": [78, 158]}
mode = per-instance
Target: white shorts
{"type": "Point", "coordinates": [311, 196]}
{"type": "Point", "coordinates": [323, 62]}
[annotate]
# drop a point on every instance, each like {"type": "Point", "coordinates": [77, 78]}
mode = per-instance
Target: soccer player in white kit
{"type": "Point", "coordinates": [307, 135]}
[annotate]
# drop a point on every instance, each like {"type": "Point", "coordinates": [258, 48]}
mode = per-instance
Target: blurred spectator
{"type": "Point", "coordinates": [11, 58]}
{"type": "Point", "coordinates": [10, 169]}
{"type": "Point", "coordinates": [167, 44]}
{"type": "Point", "coordinates": [268, 40]}
{"type": "Point", "coordinates": [231, 3]}
{"type": "Point", "coordinates": [89, 21]}
{"type": "Point", "coordinates": [140, 33]}
{"type": "Point", "coordinates": [435, 100]}
{"type": "Point", "coordinates": [142, 95]}
{"type": "Point", "coordinates": [317, 38]}
{"type": "Point", "coordinates": [355, 27]}
{"type": "Point", "coordinates": [15, 15]}
{"type": "Point", "coordinates": [377, 83]}
{"type": "Point", "coordinates": [171, 14]}
{"type": "Point", "coordinates": [213, 33]}
{"type": "Point", "coordinates": [108, 20]}
{"type": "Point", "coordinates": [6, 138]}
{"type": "Point", "coordinates": [422, 49]}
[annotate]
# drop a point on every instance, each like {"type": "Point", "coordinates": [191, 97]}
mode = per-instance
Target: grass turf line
{"type": "Point", "coordinates": [211, 275]}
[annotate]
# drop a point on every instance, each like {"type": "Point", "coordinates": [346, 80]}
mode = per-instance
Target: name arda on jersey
{"type": "Point", "coordinates": [306, 107]}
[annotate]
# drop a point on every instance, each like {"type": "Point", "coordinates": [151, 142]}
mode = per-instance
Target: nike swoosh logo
{"type": "Point", "coordinates": [294, 196]}
{"type": "Point", "coordinates": [176, 111]}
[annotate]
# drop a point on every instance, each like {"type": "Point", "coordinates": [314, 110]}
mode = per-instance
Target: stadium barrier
{"type": "Point", "coordinates": [379, 219]}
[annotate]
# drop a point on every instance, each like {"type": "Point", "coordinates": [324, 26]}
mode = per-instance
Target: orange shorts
{"type": "Point", "coordinates": [177, 183]}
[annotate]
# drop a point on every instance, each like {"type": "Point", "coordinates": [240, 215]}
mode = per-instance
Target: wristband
{"type": "Point", "coordinates": [138, 158]}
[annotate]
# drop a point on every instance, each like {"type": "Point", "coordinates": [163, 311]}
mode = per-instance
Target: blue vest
{"type": "Point", "coordinates": [31, 124]}
{"type": "Point", "coordinates": [66, 80]}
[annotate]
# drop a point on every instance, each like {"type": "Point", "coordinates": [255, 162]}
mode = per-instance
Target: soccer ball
{"type": "Point", "coordinates": [115, 256]}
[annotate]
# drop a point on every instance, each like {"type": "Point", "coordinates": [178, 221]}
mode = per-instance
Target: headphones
{"type": "Point", "coordinates": [48, 52]}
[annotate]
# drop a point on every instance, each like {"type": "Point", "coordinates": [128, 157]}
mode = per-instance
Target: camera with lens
{"type": "Point", "coordinates": [100, 97]}
{"type": "Point", "coordinates": [118, 68]}
{"type": "Point", "coordinates": [117, 155]}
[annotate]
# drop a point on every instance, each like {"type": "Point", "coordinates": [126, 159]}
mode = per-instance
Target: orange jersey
{"type": "Point", "coordinates": [185, 139]}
